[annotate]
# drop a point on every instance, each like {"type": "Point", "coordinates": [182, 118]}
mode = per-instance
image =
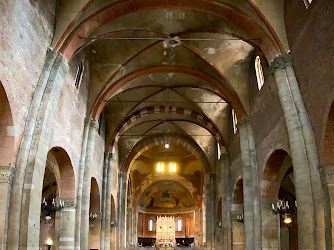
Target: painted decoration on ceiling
{"type": "Point", "coordinates": [164, 196]}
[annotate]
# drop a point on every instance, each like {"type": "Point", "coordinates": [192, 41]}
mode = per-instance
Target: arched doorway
{"type": "Point", "coordinates": [278, 203]}
{"type": "Point", "coordinates": [165, 188]}
{"type": "Point", "coordinates": [238, 215]}
{"type": "Point", "coordinates": [7, 130]}
{"type": "Point", "coordinates": [7, 137]}
{"type": "Point", "coordinates": [94, 216]}
{"type": "Point", "coordinates": [57, 201]}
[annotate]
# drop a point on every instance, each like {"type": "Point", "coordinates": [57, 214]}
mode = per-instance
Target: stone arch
{"type": "Point", "coordinates": [7, 130]}
{"type": "Point", "coordinates": [115, 10]}
{"type": "Point", "coordinates": [153, 141]}
{"type": "Point", "coordinates": [229, 94]}
{"type": "Point", "coordinates": [66, 173]}
{"type": "Point", "coordinates": [275, 169]}
{"type": "Point", "coordinates": [150, 179]}
{"type": "Point", "coordinates": [201, 120]}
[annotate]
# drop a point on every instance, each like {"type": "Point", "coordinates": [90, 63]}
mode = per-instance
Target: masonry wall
{"type": "Point", "coordinates": [26, 32]}
{"type": "Point", "coordinates": [310, 34]}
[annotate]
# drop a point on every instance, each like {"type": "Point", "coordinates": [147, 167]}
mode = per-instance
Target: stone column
{"type": "Point", "coordinates": [226, 201]}
{"type": "Point", "coordinates": [327, 180]}
{"type": "Point", "coordinates": [108, 202]}
{"type": "Point", "coordinates": [80, 183]}
{"type": "Point", "coordinates": [64, 225]}
{"type": "Point", "coordinates": [210, 209]}
{"type": "Point", "coordinates": [198, 227]}
{"type": "Point", "coordinates": [252, 213]}
{"type": "Point", "coordinates": [6, 177]}
{"type": "Point", "coordinates": [122, 208]}
{"type": "Point", "coordinates": [103, 203]}
{"type": "Point", "coordinates": [86, 187]}
{"type": "Point", "coordinates": [270, 226]}
{"type": "Point", "coordinates": [310, 199]}
{"type": "Point", "coordinates": [24, 218]}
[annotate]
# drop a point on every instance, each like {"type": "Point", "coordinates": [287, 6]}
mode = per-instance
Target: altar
{"type": "Point", "coordinates": [165, 231]}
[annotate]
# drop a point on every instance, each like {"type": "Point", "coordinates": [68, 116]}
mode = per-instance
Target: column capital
{"type": "Point", "coordinates": [244, 121]}
{"type": "Point", "coordinates": [280, 62]}
{"type": "Point", "coordinates": [93, 123]}
{"type": "Point", "coordinates": [67, 202]}
{"type": "Point", "coordinates": [7, 174]}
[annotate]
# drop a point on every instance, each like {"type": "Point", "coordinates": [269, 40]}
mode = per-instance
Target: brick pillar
{"type": "Point", "coordinates": [310, 199]}
{"type": "Point", "coordinates": [122, 208]}
{"type": "Point", "coordinates": [64, 229]}
{"type": "Point", "coordinates": [226, 201]}
{"type": "Point", "coordinates": [86, 187]}
{"type": "Point", "coordinates": [252, 213]}
{"type": "Point", "coordinates": [6, 177]}
{"type": "Point", "coordinates": [24, 218]}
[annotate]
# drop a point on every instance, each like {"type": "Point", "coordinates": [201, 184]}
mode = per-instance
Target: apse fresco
{"type": "Point", "coordinates": [164, 196]}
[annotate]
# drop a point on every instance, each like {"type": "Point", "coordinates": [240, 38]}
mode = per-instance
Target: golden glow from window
{"type": "Point", "coordinates": [161, 167]}
{"type": "Point", "coordinates": [259, 72]}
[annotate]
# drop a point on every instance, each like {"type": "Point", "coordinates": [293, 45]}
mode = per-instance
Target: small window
{"type": "Point", "coordinates": [307, 3]}
{"type": "Point", "coordinates": [259, 72]}
{"type": "Point", "coordinates": [150, 225]}
{"type": "Point", "coordinates": [219, 151]}
{"type": "Point", "coordinates": [179, 225]}
{"type": "Point", "coordinates": [235, 121]}
{"type": "Point", "coordinates": [79, 75]}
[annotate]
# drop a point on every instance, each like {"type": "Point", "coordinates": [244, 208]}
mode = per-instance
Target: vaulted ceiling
{"type": "Point", "coordinates": [169, 68]}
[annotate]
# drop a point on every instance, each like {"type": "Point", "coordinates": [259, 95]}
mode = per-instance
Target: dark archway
{"type": "Point", "coordinates": [94, 216]}
{"type": "Point", "coordinates": [7, 130]}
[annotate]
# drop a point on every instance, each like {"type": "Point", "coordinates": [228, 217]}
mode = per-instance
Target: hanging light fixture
{"type": "Point", "coordinates": [287, 219]}
{"type": "Point", "coordinates": [283, 208]}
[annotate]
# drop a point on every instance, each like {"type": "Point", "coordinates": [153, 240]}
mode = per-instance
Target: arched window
{"type": "Point", "coordinates": [150, 225]}
{"type": "Point", "coordinates": [179, 224]}
{"type": "Point", "coordinates": [259, 72]}
{"type": "Point", "coordinates": [79, 75]}
{"type": "Point", "coordinates": [235, 121]}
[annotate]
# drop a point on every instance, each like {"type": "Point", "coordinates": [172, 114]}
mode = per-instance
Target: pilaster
{"type": "Point", "coordinates": [23, 231]}
{"type": "Point", "coordinates": [6, 177]}
{"type": "Point", "coordinates": [252, 209]}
